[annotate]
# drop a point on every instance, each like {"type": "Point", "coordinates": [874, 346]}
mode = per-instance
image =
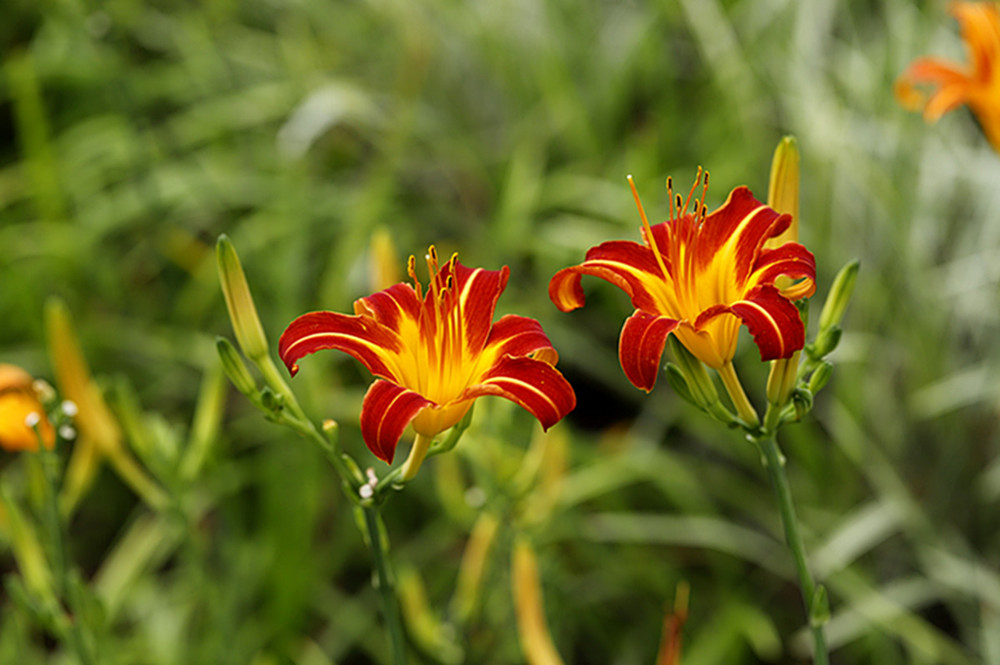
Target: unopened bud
{"type": "Point", "coordinates": [271, 401]}
{"type": "Point", "coordinates": [839, 297]}
{"type": "Point", "coordinates": [383, 262]}
{"type": "Point", "coordinates": [699, 383]}
{"type": "Point", "coordinates": [783, 189]}
{"type": "Point", "coordinates": [532, 628]}
{"type": "Point", "coordinates": [235, 368]}
{"type": "Point", "coordinates": [781, 381]}
{"type": "Point", "coordinates": [826, 342]}
{"type": "Point", "coordinates": [802, 400]}
{"type": "Point", "coordinates": [242, 311]}
{"type": "Point", "coordinates": [820, 377]}
{"type": "Point", "coordinates": [819, 607]}
{"type": "Point", "coordinates": [675, 377]}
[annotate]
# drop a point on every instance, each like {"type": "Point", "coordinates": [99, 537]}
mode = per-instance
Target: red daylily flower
{"type": "Point", "coordinates": [698, 276]}
{"type": "Point", "coordinates": [977, 84]}
{"type": "Point", "coordinates": [434, 353]}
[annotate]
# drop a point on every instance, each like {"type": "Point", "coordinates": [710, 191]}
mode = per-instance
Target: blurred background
{"type": "Point", "coordinates": [133, 133]}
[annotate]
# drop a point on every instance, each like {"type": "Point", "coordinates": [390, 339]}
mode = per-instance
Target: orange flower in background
{"type": "Point", "coordinates": [976, 84]}
{"type": "Point", "coordinates": [699, 275]}
{"type": "Point", "coordinates": [434, 353]}
{"type": "Point", "coordinates": [18, 402]}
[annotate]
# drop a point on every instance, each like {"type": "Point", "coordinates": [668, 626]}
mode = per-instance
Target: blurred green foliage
{"type": "Point", "coordinates": [133, 133]}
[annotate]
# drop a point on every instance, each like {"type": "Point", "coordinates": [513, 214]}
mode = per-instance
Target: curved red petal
{"type": "Point", "coordinates": [640, 347]}
{"type": "Point", "coordinates": [391, 306]}
{"type": "Point", "coordinates": [791, 260]}
{"type": "Point", "coordinates": [773, 321]}
{"type": "Point", "coordinates": [518, 336]}
{"type": "Point", "coordinates": [533, 384]}
{"type": "Point", "coordinates": [628, 265]}
{"type": "Point", "coordinates": [360, 336]}
{"type": "Point", "coordinates": [386, 411]}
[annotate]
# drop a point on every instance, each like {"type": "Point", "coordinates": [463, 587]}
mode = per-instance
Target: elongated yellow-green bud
{"type": "Point", "coordinates": [840, 296]}
{"type": "Point", "coordinates": [470, 571]}
{"type": "Point", "coordinates": [235, 368]}
{"type": "Point", "coordinates": [783, 189]}
{"type": "Point", "coordinates": [781, 381]}
{"type": "Point", "coordinates": [532, 629]}
{"type": "Point", "coordinates": [242, 311]}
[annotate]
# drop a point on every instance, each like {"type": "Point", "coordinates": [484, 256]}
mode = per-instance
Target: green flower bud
{"type": "Point", "coordinates": [675, 377]}
{"type": "Point", "coordinates": [802, 400]}
{"type": "Point", "coordinates": [826, 342]}
{"type": "Point", "coordinates": [820, 377]}
{"type": "Point", "coordinates": [840, 295]}
{"type": "Point", "coordinates": [699, 383]}
{"type": "Point", "coordinates": [235, 368]}
{"type": "Point", "coordinates": [819, 607]}
{"type": "Point", "coordinates": [271, 401]}
{"type": "Point", "coordinates": [781, 381]}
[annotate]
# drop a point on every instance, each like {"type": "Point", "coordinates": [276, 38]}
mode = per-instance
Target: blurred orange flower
{"type": "Point", "coordinates": [18, 402]}
{"type": "Point", "coordinates": [976, 84]}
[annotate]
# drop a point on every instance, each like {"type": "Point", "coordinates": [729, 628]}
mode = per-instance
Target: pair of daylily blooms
{"type": "Point", "coordinates": [698, 276]}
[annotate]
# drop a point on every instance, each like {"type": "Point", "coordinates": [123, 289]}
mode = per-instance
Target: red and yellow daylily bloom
{"type": "Point", "coordinates": [699, 275]}
{"type": "Point", "coordinates": [434, 353]}
{"type": "Point", "coordinates": [976, 84]}
{"type": "Point", "coordinates": [18, 403]}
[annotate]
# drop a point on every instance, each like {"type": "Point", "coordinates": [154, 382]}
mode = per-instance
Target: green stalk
{"type": "Point", "coordinates": [386, 589]}
{"type": "Point", "coordinates": [57, 541]}
{"type": "Point", "coordinates": [779, 480]}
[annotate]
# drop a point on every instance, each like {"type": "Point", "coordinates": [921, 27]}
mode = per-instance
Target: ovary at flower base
{"type": "Point", "coordinates": [434, 353]}
{"type": "Point", "coordinates": [21, 412]}
{"type": "Point", "coordinates": [976, 83]}
{"type": "Point", "coordinates": [699, 276]}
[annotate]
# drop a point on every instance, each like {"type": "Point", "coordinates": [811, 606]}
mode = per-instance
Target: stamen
{"type": "Point", "coordinates": [670, 195]}
{"type": "Point", "coordinates": [704, 191]}
{"type": "Point", "coordinates": [411, 270]}
{"type": "Point", "coordinates": [649, 231]}
{"type": "Point", "coordinates": [697, 181]}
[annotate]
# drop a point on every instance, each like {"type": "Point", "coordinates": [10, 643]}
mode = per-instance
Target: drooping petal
{"type": "Point", "coordinates": [790, 260]}
{"type": "Point", "coordinates": [386, 411]}
{"type": "Point", "coordinates": [360, 336]}
{"type": "Point", "coordinates": [772, 319]}
{"type": "Point", "coordinates": [628, 265]}
{"type": "Point", "coordinates": [516, 336]}
{"type": "Point", "coordinates": [640, 347]}
{"type": "Point", "coordinates": [532, 384]}
{"type": "Point", "coordinates": [391, 307]}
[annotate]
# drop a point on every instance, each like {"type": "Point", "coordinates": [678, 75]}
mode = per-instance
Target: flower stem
{"type": "Point", "coordinates": [735, 389]}
{"type": "Point", "coordinates": [386, 589]}
{"type": "Point", "coordinates": [60, 562]}
{"type": "Point", "coordinates": [775, 463]}
{"type": "Point", "coordinates": [416, 457]}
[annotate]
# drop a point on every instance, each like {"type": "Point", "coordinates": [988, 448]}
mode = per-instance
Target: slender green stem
{"type": "Point", "coordinates": [386, 589]}
{"type": "Point", "coordinates": [776, 469]}
{"type": "Point", "coordinates": [60, 564]}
